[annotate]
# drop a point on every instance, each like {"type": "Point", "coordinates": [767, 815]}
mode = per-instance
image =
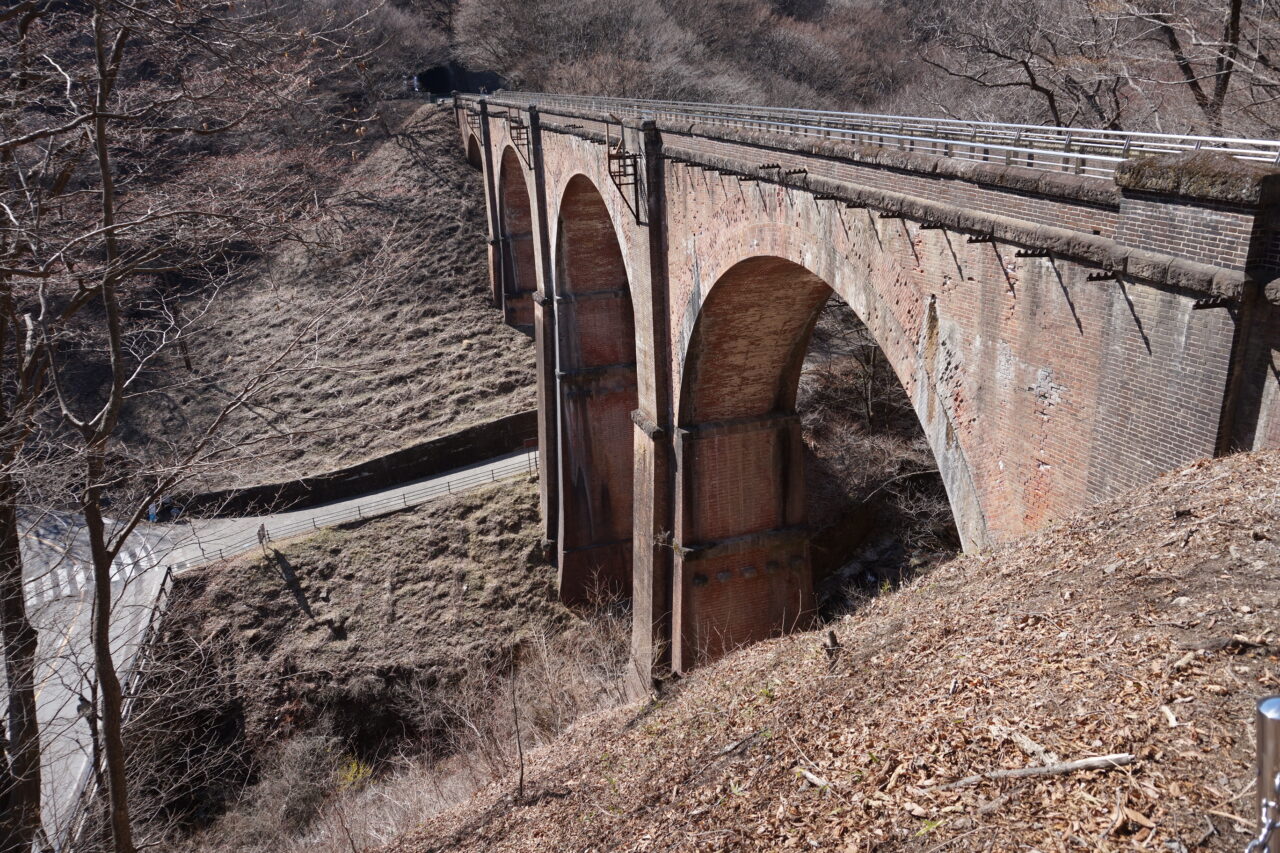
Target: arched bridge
{"type": "Point", "coordinates": [1071, 312]}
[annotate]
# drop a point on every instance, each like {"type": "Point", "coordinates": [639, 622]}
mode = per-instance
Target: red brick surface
{"type": "Point", "coordinates": [1206, 232]}
{"type": "Point", "coordinates": [1040, 391]}
{"type": "Point", "coordinates": [596, 366]}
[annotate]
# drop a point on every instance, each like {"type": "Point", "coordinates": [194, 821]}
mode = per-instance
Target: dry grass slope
{"type": "Point", "coordinates": [355, 647]}
{"type": "Point", "coordinates": [418, 594]}
{"type": "Point", "coordinates": [1146, 625]}
{"type": "Point", "coordinates": [420, 351]}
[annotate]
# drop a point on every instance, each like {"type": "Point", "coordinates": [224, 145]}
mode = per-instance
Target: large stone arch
{"type": "Point", "coordinates": [743, 563]}
{"type": "Point", "coordinates": [474, 155]}
{"type": "Point", "coordinates": [565, 184]}
{"type": "Point", "coordinates": [596, 378]}
{"type": "Point", "coordinates": [518, 271]}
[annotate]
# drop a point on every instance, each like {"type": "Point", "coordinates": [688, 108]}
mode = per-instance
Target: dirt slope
{"type": "Point", "coordinates": [414, 350]}
{"type": "Point", "coordinates": [345, 643]}
{"type": "Point", "coordinates": [415, 595]}
{"type": "Point", "coordinates": [1144, 626]}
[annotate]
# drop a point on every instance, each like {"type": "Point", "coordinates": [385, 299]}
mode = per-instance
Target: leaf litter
{"type": "Point", "coordinates": [1143, 627]}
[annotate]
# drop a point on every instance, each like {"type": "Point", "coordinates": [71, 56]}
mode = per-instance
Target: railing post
{"type": "Point", "coordinates": [1268, 770]}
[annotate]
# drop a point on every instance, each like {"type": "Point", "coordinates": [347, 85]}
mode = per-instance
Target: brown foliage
{"type": "Point", "coordinates": [1142, 626]}
{"type": "Point", "coordinates": [745, 51]}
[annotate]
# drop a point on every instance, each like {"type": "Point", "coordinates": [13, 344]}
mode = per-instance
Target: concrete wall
{"type": "Point", "coordinates": [457, 450]}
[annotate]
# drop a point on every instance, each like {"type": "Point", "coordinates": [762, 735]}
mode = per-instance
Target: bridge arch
{"type": "Point", "coordinates": [474, 157]}
{"type": "Point", "coordinates": [518, 272]}
{"type": "Point", "coordinates": [743, 563]}
{"type": "Point", "coordinates": [907, 328]}
{"type": "Point", "coordinates": [596, 371]}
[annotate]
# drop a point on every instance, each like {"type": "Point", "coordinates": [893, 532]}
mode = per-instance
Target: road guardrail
{"type": "Point", "coordinates": [221, 549]}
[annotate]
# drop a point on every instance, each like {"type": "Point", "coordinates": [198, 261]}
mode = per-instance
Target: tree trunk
{"type": "Point", "coordinates": [110, 696]}
{"type": "Point", "coordinates": [21, 819]}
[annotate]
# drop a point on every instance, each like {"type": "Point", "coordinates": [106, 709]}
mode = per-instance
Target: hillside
{"type": "Point", "coordinates": [414, 350]}
{"type": "Point", "coordinates": [349, 651]}
{"type": "Point", "coordinates": [1146, 625]}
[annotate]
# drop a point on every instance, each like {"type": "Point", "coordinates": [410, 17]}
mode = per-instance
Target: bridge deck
{"type": "Point", "coordinates": [1082, 151]}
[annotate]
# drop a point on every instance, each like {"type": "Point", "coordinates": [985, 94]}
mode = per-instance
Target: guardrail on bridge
{"type": "Point", "coordinates": [1079, 150]}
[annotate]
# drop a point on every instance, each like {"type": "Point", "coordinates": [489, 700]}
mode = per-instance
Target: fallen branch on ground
{"type": "Point", "coordinates": [815, 781]}
{"type": "Point", "coordinates": [1101, 762]}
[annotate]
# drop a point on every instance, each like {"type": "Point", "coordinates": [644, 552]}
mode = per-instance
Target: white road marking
{"type": "Point", "coordinates": [152, 562]}
{"type": "Point", "coordinates": [34, 592]}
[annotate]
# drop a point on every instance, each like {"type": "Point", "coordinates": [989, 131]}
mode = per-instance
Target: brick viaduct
{"type": "Point", "coordinates": [1063, 337]}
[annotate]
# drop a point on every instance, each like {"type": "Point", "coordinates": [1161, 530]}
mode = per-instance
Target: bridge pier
{"type": "Point", "coordinates": [653, 513]}
{"type": "Point", "coordinates": [594, 536]}
{"type": "Point", "coordinates": [544, 339]}
{"type": "Point", "coordinates": [491, 206]}
{"type": "Point", "coordinates": [742, 570]}
{"type": "Point", "coordinates": [653, 553]}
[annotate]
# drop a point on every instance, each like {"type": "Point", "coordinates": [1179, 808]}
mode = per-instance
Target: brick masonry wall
{"type": "Point", "coordinates": [1206, 232]}
{"type": "Point", "coordinates": [1085, 217]}
{"type": "Point", "coordinates": [733, 599]}
{"type": "Point", "coordinates": [592, 259]}
{"type": "Point", "coordinates": [1031, 389]}
{"type": "Point", "coordinates": [1040, 391]}
{"type": "Point", "coordinates": [519, 271]}
{"type": "Point", "coordinates": [736, 486]}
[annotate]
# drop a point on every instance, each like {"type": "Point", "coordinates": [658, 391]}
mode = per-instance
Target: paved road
{"type": "Point", "coordinates": [214, 539]}
{"type": "Point", "coordinates": [59, 598]}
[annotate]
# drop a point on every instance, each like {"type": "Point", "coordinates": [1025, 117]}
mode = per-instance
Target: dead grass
{"type": "Point", "coordinates": [560, 677]}
{"type": "Point", "coordinates": [330, 681]}
{"type": "Point", "coordinates": [426, 591]}
{"type": "Point", "coordinates": [1146, 625]}
{"type": "Point", "coordinates": [418, 350]}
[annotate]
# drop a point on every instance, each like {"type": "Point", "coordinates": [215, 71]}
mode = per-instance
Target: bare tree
{"type": "Point", "coordinates": [1172, 65]}
{"type": "Point", "coordinates": [1220, 53]}
{"type": "Point", "coordinates": [140, 173]}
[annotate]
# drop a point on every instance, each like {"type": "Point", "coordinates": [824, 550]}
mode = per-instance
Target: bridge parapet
{"type": "Point", "coordinates": [1202, 206]}
{"type": "Point", "coordinates": [1082, 151]}
{"type": "Point", "coordinates": [1069, 184]}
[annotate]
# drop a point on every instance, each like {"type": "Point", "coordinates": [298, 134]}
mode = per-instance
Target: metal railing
{"type": "Point", "coordinates": [231, 545]}
{"type": "Point", "coordinates": [1077, 150]}
{"type": "Point", "coordinates": [87, 783]}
